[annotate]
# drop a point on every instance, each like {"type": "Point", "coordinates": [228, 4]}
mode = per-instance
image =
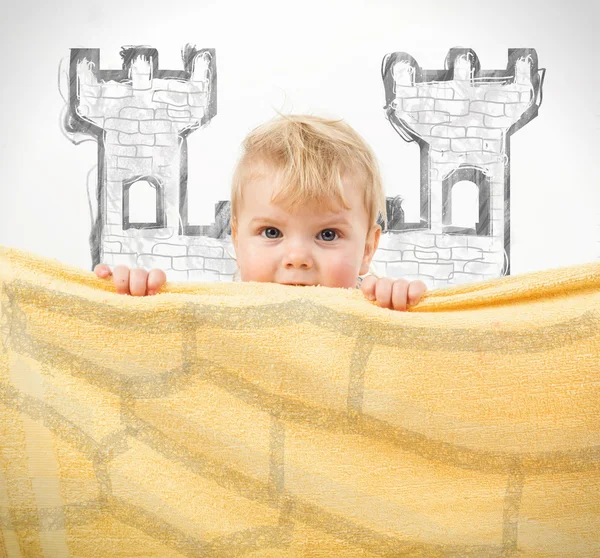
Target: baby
{"type": "Point", "coordinates": [305, 198]}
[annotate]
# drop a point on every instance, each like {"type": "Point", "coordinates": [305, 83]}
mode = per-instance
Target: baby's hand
{"type": "Point", "coordinates": [396, 294]}
{"type": "Point", "coordinates": [137, 282]}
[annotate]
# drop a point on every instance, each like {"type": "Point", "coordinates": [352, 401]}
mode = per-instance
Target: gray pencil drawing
{"type": "Point", "coordinates": [460, 117]}
{"type": "Point", "coordinates": [140, 116]}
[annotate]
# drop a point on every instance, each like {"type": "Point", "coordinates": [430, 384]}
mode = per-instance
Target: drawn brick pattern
{"type": "Point", "coordinates": [183, 258]}
{"type": "Point", "coordinates": [438, 259]}
{"type": "Point", "coordinates": [141, 117]}
{"type": "Point", "coordinates": [142, 122]}
{"type": "Point", "coordinates": [462, 118]}
{"type": "Point", "coordinates": [459, 117]}
{"type": "Point", "coordinates": [212, 427]}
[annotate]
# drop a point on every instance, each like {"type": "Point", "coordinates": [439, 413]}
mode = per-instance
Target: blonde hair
{"type": "Point", "coordinates": [312, 154]}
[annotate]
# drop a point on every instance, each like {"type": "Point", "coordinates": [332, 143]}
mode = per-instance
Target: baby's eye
{"type": "Point", "coordinates": [329, 234]}
{"type": "Point", "coordinates": [269, 231]}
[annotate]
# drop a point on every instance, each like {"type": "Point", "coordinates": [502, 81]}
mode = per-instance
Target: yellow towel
{"type": "Point", "coordinates": [222, 419]}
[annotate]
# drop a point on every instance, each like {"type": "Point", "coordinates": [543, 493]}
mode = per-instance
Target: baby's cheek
{"type": "Point", "coordinates": [255, 267]}
{"type": "Point", "coordinates": [249, 271]}
{"type": "Point", "coordinates": [342, 273]}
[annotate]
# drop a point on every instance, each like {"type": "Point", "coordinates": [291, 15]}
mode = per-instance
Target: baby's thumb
{"type": "Point", "coordinates": [102, 271]}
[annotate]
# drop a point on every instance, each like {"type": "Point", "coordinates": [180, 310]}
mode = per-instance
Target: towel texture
{"type": "Point", "coordinates": [222, 419]}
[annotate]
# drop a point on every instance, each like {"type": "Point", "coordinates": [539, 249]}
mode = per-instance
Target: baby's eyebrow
{"type": "Point", "coordinates": [263, 220]}
{"type": "Point", "coordinates": [337, 223]}
{"type": "Point", "coordinates": [326, 222]}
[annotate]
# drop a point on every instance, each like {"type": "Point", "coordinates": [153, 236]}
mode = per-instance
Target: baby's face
{"type": "Point", "coordinates": [311, 246]}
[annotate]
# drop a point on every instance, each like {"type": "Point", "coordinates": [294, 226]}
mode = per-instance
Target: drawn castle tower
{"type": "Point", "coordinates": [141, 116]}
{"type": "Point", "coordinates": [462, 119]}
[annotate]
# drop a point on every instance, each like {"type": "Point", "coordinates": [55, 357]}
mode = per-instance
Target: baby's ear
{"type": "Point", "coordinates": [234, 232]}
{"type": "Point", "coordinates": [371, 244]}
{"type": "Point", "coordinates": [373, 239]}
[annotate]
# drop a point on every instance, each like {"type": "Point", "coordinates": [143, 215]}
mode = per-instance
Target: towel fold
{"type": "Point", "coordinates": [256, 419]}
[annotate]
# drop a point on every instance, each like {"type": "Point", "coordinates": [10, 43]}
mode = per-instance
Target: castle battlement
{"type": "Point", "coordinates": [141, 98]}
{"type": "Point", "coordinates": [140, 116]}
{"type": "Point", "coordinates": [462, 118]}
{"type": "Point", "coordinates": [462, 109]}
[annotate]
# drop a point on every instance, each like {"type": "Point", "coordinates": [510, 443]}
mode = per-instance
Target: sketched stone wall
{"type": "Point", "coordinates": [140, 117]}
{"type": "Point", "coordinates": [462, 119]}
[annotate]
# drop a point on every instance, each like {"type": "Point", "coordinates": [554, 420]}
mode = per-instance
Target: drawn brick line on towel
{"type": "Point", "coordinates": [295, 514]}
{"type": "Point", "coordinates": [233, 544]}
{"type": "Point", "coordinates": [155, 528]}
{"type": "Point", "coordinates": [356, 385]}
{"type": "Point", "coordinates": [206, 467]}
{"type": "Point", "coordinates": [111, 447]}
{"type": "Point", "coordinates": [58, 517]}
{"type": "Point", "coordinates": [50, 418]}
{"type": "Point", "coordinates": [485, 554]}
{"type": "Point", "coordinates": [5, 323]}
{"type": "Point", "coordinates": [380, 544]}
{"type": "Point", "coordinates": [217, 472]}
{"type": "Point", "coordinates": [13, 318]}
{"type": "Point", "coordinates": [277, 455]}
{"type": "Point", "coordinates": [142, 387]}
{"type": "Point", "coordinates": [224, 476]}
{"type": "Point", "coordinates": [101, 457]}
{"type": "Point", "coordinates": [287, 506]}
{"type": "Point", "coordinates": [296, 509]}
{"type": "Point", "coordinates": [290, 410]}
{"type": "Point", "coordinates": [189, 349]}
{"type": "Point", "coordinates": [99, 452]}
{"type": "Point", "coordinates": [127, 408]}
{"type": "Point", "coordinates": [17, 484]}
{"type": "Point", "coordinates": [544, 462]}
{"type": "Point", "coordinates": [539, 463]}
{"type": "Point", "coordinates": [512, 503]}
{"type": "Point", "coordinates": [53, 518]}
{"type": "Point", "coordinates": [149, 386]}
{"type": "Point", "coordinates": [317, 517]}
{"type": "Point", "coordinates": [560, 334]}
{"type": "Point", "coordinates": [582, 459]}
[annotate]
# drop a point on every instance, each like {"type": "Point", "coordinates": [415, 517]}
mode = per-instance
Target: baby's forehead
{"type": "Point", "coordinates": [268, 184]}
{"type": "Point", "coordinates": [262, 167]}
{"type": "Point", "coordinates": [320, 209]}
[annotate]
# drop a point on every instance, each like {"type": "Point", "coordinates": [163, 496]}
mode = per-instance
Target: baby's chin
{"type": "Point", "coordinates": [345, 282]}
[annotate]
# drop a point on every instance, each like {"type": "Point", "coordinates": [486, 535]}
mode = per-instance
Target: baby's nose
{"type": "Point", "coordinates": [298, 257]}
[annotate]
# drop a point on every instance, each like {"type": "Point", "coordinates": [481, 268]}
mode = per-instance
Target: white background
{"type": "Point", "coordinates": [311, 56]}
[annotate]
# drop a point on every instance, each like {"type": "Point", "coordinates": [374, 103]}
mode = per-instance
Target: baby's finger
{"type": "Point", "coordinates": [137, 281]}
{"type": "Point", "coordinates": [121, 278]}
{"type": "Point", "coordinates": [415, 291]}
{"type": "Point", "coordinates": [400, 294]}
{"type": "Point", "coordinates": [156, 279]}
{"type": "Point", "coordinates": [102, 271]}
{"type": "Point", "coordinates": [383, 292]}
{"type": "Point", "coordinates": [368, 287]}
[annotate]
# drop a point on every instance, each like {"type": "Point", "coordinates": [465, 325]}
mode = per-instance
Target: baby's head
{"type": "Point", "coordinates": [305, 199]}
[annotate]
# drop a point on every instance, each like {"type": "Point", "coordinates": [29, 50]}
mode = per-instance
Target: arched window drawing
{"type": "Point", "coordinates": [395, 213]}
{"type": "Point", "coordinates": [143, 204]}
{"type": "Point", "coordinates": [466, 202]}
